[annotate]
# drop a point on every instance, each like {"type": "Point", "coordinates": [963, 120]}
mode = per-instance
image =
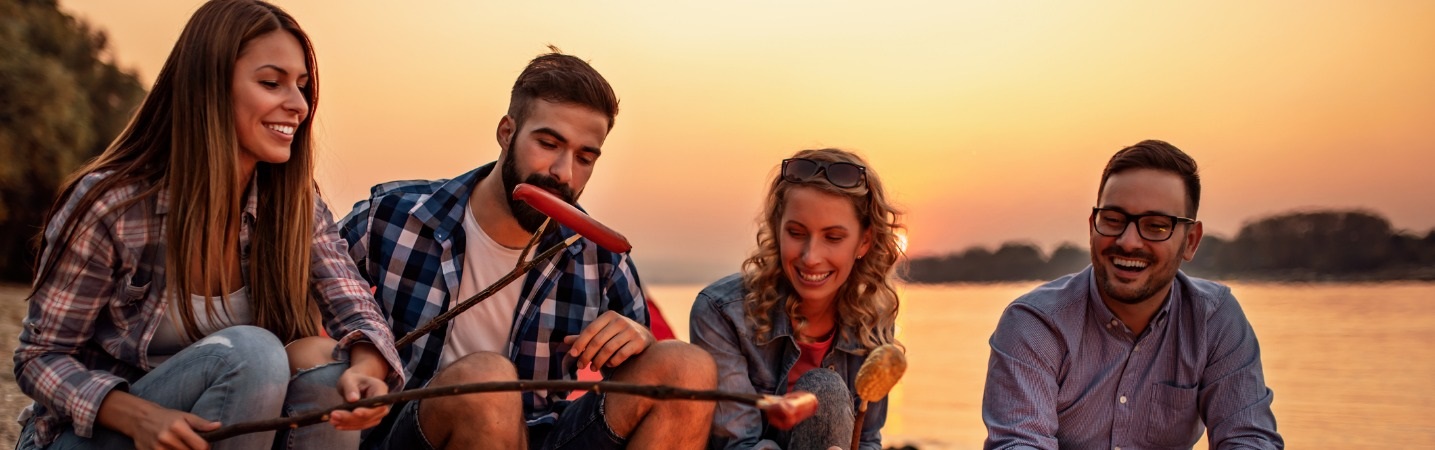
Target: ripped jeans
{"type": "Point", "coordinates": [238, 374]}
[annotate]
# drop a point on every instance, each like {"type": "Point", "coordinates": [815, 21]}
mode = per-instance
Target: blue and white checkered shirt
{"type": "Point", "coordinates": [408, 241]}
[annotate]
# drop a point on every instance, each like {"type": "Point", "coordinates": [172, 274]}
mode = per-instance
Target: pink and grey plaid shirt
{"type": "Point", "coordinates": [90, 324]}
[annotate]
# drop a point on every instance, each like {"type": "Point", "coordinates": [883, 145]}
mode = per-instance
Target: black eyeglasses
{"type": "Point", "coordinates": [840, 174]}
{"type": "Point", "coordinates": [1152, 227]}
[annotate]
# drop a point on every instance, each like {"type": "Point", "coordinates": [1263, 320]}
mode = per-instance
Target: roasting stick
{"type": "Point", "coordinates": [783, 412]}
{"type": "Point", "coordinates": [879, 373]}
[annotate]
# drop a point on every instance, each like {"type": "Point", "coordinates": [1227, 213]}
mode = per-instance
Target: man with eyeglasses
{"type": "Point", "coordinates": [1130, 352]}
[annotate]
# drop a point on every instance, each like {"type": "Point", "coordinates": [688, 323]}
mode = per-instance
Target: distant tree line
{"type": "Point", "coordinates": [60, 104]}
{"type": "Point", "coordinates": [1297, 246]}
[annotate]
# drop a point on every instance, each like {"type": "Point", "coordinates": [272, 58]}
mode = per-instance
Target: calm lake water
{"type": "Point", "coordinates": [1352, 365]}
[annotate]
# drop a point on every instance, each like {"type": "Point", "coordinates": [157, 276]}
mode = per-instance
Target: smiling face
{"type": "Point", "coordinates": [270, 81]}
{"type": "Point", "coordinates": [1130, 269]}
{"type": "Point", "coordinates": [819, 240]}
{"type": "Point", "coordinates": [556, 149]}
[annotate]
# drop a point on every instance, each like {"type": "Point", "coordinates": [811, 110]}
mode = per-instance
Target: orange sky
{"type": "Point", "coordinates": [989, 122]}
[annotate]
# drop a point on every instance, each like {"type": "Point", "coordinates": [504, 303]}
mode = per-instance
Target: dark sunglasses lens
{"type": "Point", "coordinates": [798, 170]}
{"type": "Point", "coordinates": [844, 175]}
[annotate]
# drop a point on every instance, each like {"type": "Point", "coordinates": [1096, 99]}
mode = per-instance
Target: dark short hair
{"type": "Point", "coordinates": [1158, 155]}
{"type": "Point", "coordinates": [561, 78]}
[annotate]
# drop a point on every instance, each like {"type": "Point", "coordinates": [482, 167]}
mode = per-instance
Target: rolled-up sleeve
{"type": "Point", "coordinates": [1019, 401]}
{"type": "Point", "coordinates": [351, 314]}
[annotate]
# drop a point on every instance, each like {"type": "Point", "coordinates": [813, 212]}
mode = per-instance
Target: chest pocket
{"type": "Point", "coordinates": [1174, 419]}
{"type": "Point", "coordinates": [133, 288]}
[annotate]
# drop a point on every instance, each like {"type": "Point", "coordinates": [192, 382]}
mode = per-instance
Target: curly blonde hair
{"type": "Point", "coordinates": [867, 302]}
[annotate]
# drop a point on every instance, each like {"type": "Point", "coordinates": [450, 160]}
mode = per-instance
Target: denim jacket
{"type": "Point", "coordinates": [747, 363]}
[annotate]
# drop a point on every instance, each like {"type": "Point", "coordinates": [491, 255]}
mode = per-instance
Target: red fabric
{"type": "Point", "coordinates": [659, 326]}
{"type": "Point", "coordinates": [809, 358]}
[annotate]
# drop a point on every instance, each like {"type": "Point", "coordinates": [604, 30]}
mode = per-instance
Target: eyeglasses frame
{"type": "Point", "coordinates": [1135, 219]}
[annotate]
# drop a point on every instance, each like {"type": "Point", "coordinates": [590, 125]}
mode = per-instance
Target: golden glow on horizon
{"type": "Point", "coordinates": [988, 122]}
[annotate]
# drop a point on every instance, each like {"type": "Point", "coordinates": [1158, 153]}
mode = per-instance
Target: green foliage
{"type": "Point", "coordinates": [60, 105]}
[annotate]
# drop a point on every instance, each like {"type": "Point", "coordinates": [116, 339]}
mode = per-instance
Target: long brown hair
{"type": "Point", "coordinates": [867, 302]}
{"type": "Point", "coordinates": [182, 140]}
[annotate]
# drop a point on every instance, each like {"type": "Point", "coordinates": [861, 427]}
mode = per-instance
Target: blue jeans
{"type": "Point", "coordinates": [238, 374]}
{"type": "Point", "coordinates": [832, 423]}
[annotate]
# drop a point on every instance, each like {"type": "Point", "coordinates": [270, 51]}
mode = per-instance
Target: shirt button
{"type": "Point", "coordinates": [1123, 400]}
{"type": "Point", "coordinates": [1118, 448]}
{"type": "Point", "coordinates": [832, 367]}
{"type": "Point", "coordinates": [1136, 348]}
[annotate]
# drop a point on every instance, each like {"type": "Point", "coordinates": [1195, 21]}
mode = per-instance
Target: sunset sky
{"type": "Point", "coordinates": [989, 121]}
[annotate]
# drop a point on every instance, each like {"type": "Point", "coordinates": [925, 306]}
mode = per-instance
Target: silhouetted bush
{"type": "Point", "coordinates": [60, 105]}
{"type": "Point", "coordinates": [1308, 245]}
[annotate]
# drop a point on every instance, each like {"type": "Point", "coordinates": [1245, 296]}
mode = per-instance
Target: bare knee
{"type": "Point", "coordinates": [477, 368]}
{"type": "Point", "coordinates": [672, 363]}
{"type": "Point", "coordinates": [460, 418]}
{"type": "Point", "coordinates": [310, 352]}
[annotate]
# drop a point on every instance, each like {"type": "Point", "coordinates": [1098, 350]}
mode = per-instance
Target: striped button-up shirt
{"type": "Point", "coordinates": [1066, 373]}
{"type": "Point", "coordinates": [407, 238]}
{"type": "Point", "coordinates": [90, 324]}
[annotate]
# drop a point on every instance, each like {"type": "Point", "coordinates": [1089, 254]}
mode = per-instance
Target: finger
{"type": "Point", "coordinates": [628, 349]}
{"type": "Point", "coordinates": [191, 440]}
{"type": "Point", "coordinates": [600, 340]}
{"type": "Point", "coordinates": [359, 418]}
{"type": "Point", "coordinates": [610, 348]}
{"type": "Point", "coordinates": [582, 341]}
{"type": "Point", "coordinates": [349, 386]}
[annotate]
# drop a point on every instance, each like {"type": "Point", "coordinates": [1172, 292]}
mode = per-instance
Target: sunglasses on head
{"type": "Point", "coordinates": [840, 174]}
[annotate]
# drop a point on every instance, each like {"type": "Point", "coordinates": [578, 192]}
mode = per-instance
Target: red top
{"type": "Point", "coordinates": [809, 357]}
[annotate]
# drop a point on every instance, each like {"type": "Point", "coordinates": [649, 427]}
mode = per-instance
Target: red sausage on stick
{"type": "Point", "coordinates": [569, 216]}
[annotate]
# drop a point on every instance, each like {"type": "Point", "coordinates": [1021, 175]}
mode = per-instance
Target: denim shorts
{"type": "Point", "coordinates": [582, 425]}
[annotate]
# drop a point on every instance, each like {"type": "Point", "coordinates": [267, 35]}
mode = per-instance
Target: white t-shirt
{"type": "Point", "coordinates": [486, 326]}
{"type": "Point", "coordinates": [168, 338]}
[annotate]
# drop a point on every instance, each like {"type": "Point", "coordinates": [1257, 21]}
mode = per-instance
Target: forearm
{"type": "Point", "coordinates": [121, 411]}
{"type": "Point", "coordinates": [366, 359]}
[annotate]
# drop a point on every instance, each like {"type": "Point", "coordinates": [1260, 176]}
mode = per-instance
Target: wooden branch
{"type": "Point", "coordinates": [487, 292]}
{"type": "Point", "coordinates": [792, 408]}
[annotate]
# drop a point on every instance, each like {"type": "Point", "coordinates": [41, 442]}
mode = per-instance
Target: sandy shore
{"type": "Point", "coordinates": [12, 311]}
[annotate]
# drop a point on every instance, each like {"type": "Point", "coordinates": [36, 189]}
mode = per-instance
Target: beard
{"type": "Point", "coordinates": [1158, 275]}
{"type": "Point", "coordinates": [528, 217]}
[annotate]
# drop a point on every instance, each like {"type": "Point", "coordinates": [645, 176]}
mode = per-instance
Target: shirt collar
{"type": "Point", "coordinates": [782, 328]}
{"type": "Point", "coordinates": [443, 210]}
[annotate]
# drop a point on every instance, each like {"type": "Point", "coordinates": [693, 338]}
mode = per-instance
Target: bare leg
{"type": "Point", "coordinates": [309, 352]}
{"type": "Point", "coordinates": [669, 424]}
{"type": "Point", "coordinates": [487, 420]}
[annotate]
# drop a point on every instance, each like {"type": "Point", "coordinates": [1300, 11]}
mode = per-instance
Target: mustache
{"type": "Point", "coordinates": [551, 184]}
{"type": "Point", "coordinates": [1117, 252]}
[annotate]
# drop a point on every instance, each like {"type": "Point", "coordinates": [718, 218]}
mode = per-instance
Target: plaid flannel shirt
{"type": "Point", "coordinates": [90, 324]}
{"type": "Point", "coordinates": [407, 238]}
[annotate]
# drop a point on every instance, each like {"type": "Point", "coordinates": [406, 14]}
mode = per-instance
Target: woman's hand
{"type": "Point", "coordinates": [364, 379]}
{"type": "Point", "coordinates": [152, 426]}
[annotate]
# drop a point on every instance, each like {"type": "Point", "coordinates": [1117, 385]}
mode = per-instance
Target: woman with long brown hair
{"type": "Point", "coordinates": [813, 299]}
{"type": "Point", "coordinates": [182, 270]}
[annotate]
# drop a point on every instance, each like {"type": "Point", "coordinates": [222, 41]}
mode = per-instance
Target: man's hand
{"type": "Point", "coordinates": [608, 341]}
